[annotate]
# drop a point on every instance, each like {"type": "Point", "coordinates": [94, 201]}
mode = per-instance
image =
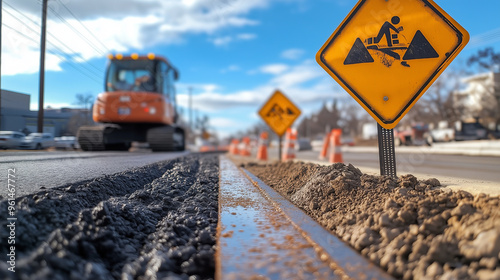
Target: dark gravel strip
{"type": "Point", "coordinates": [154, 222]}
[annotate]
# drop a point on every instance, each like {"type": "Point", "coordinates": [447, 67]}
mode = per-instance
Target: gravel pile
{"type": "Point", "coordinates": [154, 222]}
{"type": "Point", "coordinates": [413, 229]}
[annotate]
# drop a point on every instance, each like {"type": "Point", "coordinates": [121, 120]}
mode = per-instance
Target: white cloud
{"type": "Point", "coordinates": [299, 74]}
{"type": "Point", "coordinates": [116, 27]}
{"type": "Point", "coordinates": [246, 36]}
{"type": "Point", "coordinates": [303, 83]}
{"type": "Point", "coordinates": [222, 41]}
{"type": "Point", "coordinates": [225, 40]}
{"type": "Point", "coordinates": [34, 106]}
{"type": "Point", "coordinates": [306, 84]}
{"type": "Point", "coordinates": [231, 68]}
{"type": "Point", "coordinates": [292, 54]}
{"type": "Point", "coordinates": [208, 101]}
{"type": "Point", "coordinates": [224, 122]}
{"type": "Point", "coordinates": [274, 69]}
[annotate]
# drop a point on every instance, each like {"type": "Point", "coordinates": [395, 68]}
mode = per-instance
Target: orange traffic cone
{"type": "Point", "coordinates": [324, 150]}
{"type": "Point", "coordinates": [245, 147]}
{"type": "Point", "coordinates": [262, 151]}
{"type": "Point", "coordinates": [233, 147]}
{"type": "Point", "coordinates": [335, 153]}
{"type": "Point", "coordinates": [289, 147]}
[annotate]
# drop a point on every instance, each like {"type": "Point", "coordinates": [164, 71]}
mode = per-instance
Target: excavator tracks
{"type": "Point", "coordinates": [91, 138]}
{"type": "Point", "coordinates": [166, 138]}
{"type": "Point", "coordinates": [115, 137]}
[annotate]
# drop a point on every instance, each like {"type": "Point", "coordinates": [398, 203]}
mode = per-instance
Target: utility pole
{"type": "Point", "coordinates": [1, 119]}
{"type": "Point", "coordinates": [42, 67]}
{"type": "Point", "coordinates": [190, 108]}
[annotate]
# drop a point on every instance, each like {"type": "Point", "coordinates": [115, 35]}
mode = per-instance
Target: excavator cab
{"type": "Point", "coordinates": [138, 105]}
{"type": "Point", "coordinates": [141, 75]}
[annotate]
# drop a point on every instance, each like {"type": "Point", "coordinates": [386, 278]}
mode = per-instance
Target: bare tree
{"type": "Point", "coordinates": [488, 60]}
{"type": "Point", "coordinates": [485, 59]}
{"type": "Point", "coordinates": [85, 100]}
{"type": "Point", "coordinates": [437, 104]}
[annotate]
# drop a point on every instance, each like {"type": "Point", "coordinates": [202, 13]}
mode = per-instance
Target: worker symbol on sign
{"type": "Point", "coordinates": [386, 31]}
{"type": "Point", "coordinates": [392, 48]}
{"type": "Point", "coordinates": [278, 111]}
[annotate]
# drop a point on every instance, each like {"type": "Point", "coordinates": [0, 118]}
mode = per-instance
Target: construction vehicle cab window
{"type": "Point", "coordinates": [134, 75]}
{"type": "Point", "coordinates": [138, 105]}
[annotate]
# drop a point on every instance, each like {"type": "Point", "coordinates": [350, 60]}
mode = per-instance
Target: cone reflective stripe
{"type": "Point", "coordinates": [289, 147]}
{"type": "Point", "coordinates": [335, 153]}
{"type": "Point", "coordinates": [245, 147]}
{"type": "Point", "coordinates": [324, 150]}
{"type": "Point", "coordinates": [233, 148]}
{"type": "Point", "coordinates": [262, 151]}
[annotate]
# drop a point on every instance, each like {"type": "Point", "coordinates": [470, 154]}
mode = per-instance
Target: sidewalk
{"type": "Point", "coordinates": [470, 148]}
{"type": "Point", "coordinates": [452, 183]}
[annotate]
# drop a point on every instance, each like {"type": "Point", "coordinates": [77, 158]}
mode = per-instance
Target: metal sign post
{"type": "Point", "coordinates": [279, 147]}
{"type": "Point", "coordinates": [387, 155]}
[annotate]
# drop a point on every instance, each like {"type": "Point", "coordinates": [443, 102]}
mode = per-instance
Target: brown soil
{"type": "Point", "coordinates": [413, 229]}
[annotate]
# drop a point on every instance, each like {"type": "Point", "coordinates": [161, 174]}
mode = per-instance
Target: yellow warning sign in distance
{"type": "Point", "coordinates": [387, 53]}
{"type": "Point", "coordinates": [279, 112]}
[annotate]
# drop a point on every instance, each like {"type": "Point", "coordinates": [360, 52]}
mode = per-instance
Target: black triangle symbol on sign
{"type": "Point", "coordinates": [358, 54]}
{"type": "Point", "coordinates": [289, 111]}
{"type": "Point", "coordinates": [420, 48]}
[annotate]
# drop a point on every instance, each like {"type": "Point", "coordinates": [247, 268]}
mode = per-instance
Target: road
{"type": "Point", "coordinates": [47, 169]}
{"type": "Point", "coordinates": [36, 170]}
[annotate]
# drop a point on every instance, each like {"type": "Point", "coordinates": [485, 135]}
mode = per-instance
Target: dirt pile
{"type": "Point", "coordinates": [411, 228]}
{"type": "Point", "coordinates": [153, 222]}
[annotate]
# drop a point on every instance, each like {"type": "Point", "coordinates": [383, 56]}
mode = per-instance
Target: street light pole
{"type": "Point", "coordinates": [42, 67]}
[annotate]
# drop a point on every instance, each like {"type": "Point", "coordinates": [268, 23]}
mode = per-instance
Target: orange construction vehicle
{"type": "Point", "coordinates": [138, 105]}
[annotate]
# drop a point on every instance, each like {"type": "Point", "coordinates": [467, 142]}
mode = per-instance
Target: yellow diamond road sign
{"type": "Point", "coordinates": [279, 112]}
{"type": "Point", "coordinates": [387, 53]}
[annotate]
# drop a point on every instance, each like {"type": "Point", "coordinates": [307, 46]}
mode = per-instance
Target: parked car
{"type": "Point", "coordinates": [470, 131]}
{"type": "Point", "coordinates": [441, 134]}
{"type": "Point", "coordinates": [303, 144]}
{"type": "Point", "coordinates": [11, 139]}
{"type": "Point", "coordinates": [66, 142]}
{"type": "Point", "coordinates": [415, 135]}
{"type": "Point", "coordinates": [38, 141]}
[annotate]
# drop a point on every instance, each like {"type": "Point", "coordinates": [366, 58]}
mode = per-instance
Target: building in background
{"type": "Point", "coordinates": [480, 99]}
{"type": "Point", "coordinates": [15, 115]}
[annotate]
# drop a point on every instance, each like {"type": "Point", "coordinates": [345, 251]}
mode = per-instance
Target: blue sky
{"type": "Point", "coordinates": [233, 53]}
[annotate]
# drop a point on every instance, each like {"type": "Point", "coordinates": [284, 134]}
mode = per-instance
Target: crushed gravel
{"type": "Point", "coordinates": [154, 222]}
{"type": "Point", "coordinates": [411, 228]}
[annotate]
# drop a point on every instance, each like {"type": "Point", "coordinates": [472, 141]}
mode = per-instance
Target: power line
{"type": "Point", "coordinates": [485, 38]}
{"type": "Point", "coordinates": [54, 46]}
{"type": "Point", "coordinates": [99, 75]}
{"type": "Point", "coordinates": [63, 20]}
{"type": "Point", "coordinates": [88, 30]}
{"type": "Point", "coordinates": [70, 63]}
{"type": "Point", "coordinates": [20, 33]}
{"type": "Point", "coordinates": [36, 31]}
